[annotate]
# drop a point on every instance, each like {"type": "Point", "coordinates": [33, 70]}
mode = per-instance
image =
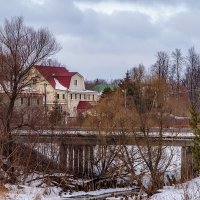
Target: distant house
{"type": "Point", "coordinates": [64, 87]}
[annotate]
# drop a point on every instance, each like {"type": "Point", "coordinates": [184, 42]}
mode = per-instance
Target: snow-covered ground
{"type": "Point", "coordinates": [29, 193]}
{"type": "Point", "coordinates": [52, 193]}
{"type": "Point", "coordinates": [186, 191]}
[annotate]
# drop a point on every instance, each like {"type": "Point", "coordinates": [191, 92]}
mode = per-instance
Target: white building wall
{"type": "Point", "coordinates": [76, 96]}
{"type": "Point", "coordinates": [77, 78]}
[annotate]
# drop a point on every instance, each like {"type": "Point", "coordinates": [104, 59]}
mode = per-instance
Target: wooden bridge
{"type": "Point", "coordinates": [76, 148]}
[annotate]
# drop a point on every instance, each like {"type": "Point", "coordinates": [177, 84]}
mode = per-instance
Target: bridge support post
{"type": "Point", "coordinates": [71, 159]}
{"type": "Point", "coordinates": [86, 160]}
{"type": "Point", "coordinates": [186, 163]}
{"type": "Point", "coordinates": [91, 159]}
{"type": "Point", "coordinates": [63, 156]}
{"type": "Point", "coordinates": [76, 160]}
{"type": "Point", "coordinates": [80, 154]}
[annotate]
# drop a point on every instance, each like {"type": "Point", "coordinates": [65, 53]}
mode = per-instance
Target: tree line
{"type": "Point", "coordinates": [180, 71]}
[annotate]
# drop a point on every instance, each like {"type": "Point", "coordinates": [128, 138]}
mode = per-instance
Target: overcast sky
{"type": "Point", "coordinates": [104, 38]}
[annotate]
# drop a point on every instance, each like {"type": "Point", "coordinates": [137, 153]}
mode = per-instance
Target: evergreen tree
{"type": "Point", "coordinates": [106, 92]}
{"type": "Point", "coordinates": [126, 84]}
{"type": "Point", "coordinates": [195, 119]}
{"type": "Point", "coordinates": [131, 85]}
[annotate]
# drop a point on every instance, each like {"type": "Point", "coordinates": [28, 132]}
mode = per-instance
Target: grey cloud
{"type": "Point", "coordinates": [9, 9]}
{"type": "Point", "coordinates": [186, 24]}
{"type": "Point", "coordinates": [141, 2]}
{"type": "Point", "coordinates": [165, 2]}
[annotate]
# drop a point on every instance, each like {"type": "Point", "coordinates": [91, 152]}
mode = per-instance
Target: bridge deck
{"type": "Point", "coordinates": [78, 138]}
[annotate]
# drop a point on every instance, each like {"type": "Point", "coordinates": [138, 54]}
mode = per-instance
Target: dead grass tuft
{"type": "Point", "coordinates": [3, 189]}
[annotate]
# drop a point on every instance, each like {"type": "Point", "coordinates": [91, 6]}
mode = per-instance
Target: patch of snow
{"type": "Point", "coordinates": [59, 86]}
{"type": "Point", "coordinates": [22, 192]}
{"type": "Point", "coordinates": [189, 190]}
{"type": "Point", "coordinates": [29, 89]}
{"type": "Point", "coordinates": [30, 193]}
{"type": "Point", "coordinates": [95, 193]}
{"type": "Point", "coordinates": [178, 117]}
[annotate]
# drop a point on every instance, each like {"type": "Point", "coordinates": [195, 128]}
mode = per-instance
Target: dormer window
{"type": "Point", "coordinates": [34, 80]}
{"type": "Point", "coordinates": [75, 82]}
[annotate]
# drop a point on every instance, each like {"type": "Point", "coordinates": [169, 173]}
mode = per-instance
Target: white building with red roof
{"type": "Point", "coordinates": [64, 87]}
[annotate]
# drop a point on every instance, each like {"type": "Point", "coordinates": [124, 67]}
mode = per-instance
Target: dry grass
{"type": "Point", "coordinates": [3, 190]}
{"type": "Point", "coordinates": [37, 197]}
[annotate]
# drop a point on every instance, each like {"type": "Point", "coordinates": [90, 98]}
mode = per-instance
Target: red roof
{"type": "Point", "coordinates": [84, 105]}
{"type": "Point", "coordinates": [60, 73]}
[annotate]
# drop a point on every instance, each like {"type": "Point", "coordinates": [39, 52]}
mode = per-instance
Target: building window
{"type": "Point", "coordinates": [88, 96]}
{"type": "Point", "coordinates": [34, 80]}
{"type": "Point", "coordinates": [58, 96]}
{"type": "Point", "coordinates": [93, 97]}
{"type": "Point", "coordinates": [22, 101]}
{"type": "Point", "coordinates": [38, 102]}
{"type": "Point", "coordinates": [63, 96]}
{"type": "Point", "coordinates": [29, 101]}
{"type": "Point", "coordinates": [75, 82]}
{"type": "Point", "coordinates": [84, 96]}
{"type": "Point", "coordinates": [71, 96]}
{"type": "Point", "coordinates": [59, 109]}
{"type": "Point", "coordinates": [75, 96]}
{"type": "Point", "coordinates": [80, 96]}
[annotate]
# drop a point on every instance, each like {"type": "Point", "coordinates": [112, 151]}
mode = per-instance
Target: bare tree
{"type": "Point", "coordinates": [112, 117]}
{"type": "Point", "coordinates": [177, 66]}
{"type": "Point", "coordinates": [52, 62]}
{"type": "Point", "coordinates": [161, 67]}
{"type": "Point", "coordinates": [155, 113]}
{"type": "Point", "coordinates": [192, 74]}
{"type": "Point", "coordinates": [137, 73]}
{"type": "Point", "coordinates": [21, 47]}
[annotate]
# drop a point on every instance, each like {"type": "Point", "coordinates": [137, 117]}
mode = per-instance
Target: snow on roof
{"type": "Point", "coordinates": [59, 86]}
{"type": "Point", "coordinates": [29, 89]}
{"type": "Point", "coordinates": [24, 90]}
{"type": "Point", "coordinates": [82, 91]}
